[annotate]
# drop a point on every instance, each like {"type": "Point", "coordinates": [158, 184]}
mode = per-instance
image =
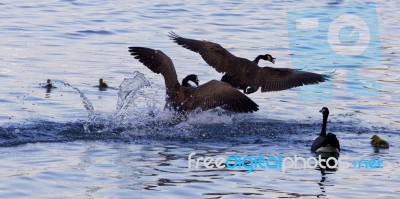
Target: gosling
{"type": "Point", "coordinates": [378, 142]}
{"type": "Point", "coordinates": [49, 85]}
{"type": "Point", "coordinates": [102, 84]}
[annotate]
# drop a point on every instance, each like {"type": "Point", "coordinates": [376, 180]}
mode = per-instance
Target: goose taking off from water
{"type": "Point", "coordinates": [243, 73]}
{"type": "Point", "coordinates": [235, 82]}
{"type": "Point", "coordinates": [186, 99]}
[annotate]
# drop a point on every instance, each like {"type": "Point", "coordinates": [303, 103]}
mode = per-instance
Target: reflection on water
{"type": "Point", "coordinates": [76, 141]}
{"type": "Point", "coordinates": [159, 168]}
{"type": "Point", "coordinates": [151, 159]}
{"type": "Point", "coordinates": [48, 91]}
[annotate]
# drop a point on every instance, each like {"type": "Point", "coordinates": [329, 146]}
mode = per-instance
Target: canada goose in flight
{"type": "Point", "coordinates": [235, 81]}
{"type": "Point", "coordinates": [186, 99]}
{"type": "Point", "coordinates": [247, 73]}
{"type": "Point", "coordinates": [378, 142]}
{"type": "Point", "coordinates": [191, 77]}
{"type": "Point", "coordinates": [325, 143]}
{"type": "Point", "coordinates": [102, 84]}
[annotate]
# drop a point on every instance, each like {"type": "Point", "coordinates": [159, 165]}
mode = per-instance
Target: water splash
{"type": "Point", "coordinates": [129, 92]}
{"type": "Point", "coordinates": [85, 101]}
{"type": "Point", "coordinates": [216, 116]}
{"type": "Point", "coordinates": [134, 102]}
{"type": "Point", "coordinates": [90, 124]}
{"type": "Point", "coordinates": [140, 111]}
{"type": "Point", "coordinates": [140, 115]}
{"type": "Point", "coordinates": [135, 106]}
{"type": "Point", "coordinates": [137, 102]}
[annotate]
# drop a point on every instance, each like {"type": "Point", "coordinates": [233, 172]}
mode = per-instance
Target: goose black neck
{"type": "Point", "coordinates": [185, 81]}
{"type": "Point", "coordinates": [325, 120]}
{"type": "Point", "coordinates": [257, 59]}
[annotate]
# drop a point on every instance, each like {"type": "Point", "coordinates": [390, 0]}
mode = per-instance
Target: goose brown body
{"type": "Point", "coordinates": [185, 99]}
{"type": "Point", "coordinates": [247, 73]}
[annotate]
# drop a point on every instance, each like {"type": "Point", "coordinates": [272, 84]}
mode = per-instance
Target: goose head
{"type": "Point", "coordinates": [375, 137]}
{"type": "Point", "coordinates": [191, 77]}
{"type": "Point", "coordinates": [268, 57]}
{"type": "Point", "coordinates": [324, 111]}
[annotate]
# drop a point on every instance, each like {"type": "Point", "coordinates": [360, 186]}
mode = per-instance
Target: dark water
{"type": "Point", "coordinates": [76, 141]}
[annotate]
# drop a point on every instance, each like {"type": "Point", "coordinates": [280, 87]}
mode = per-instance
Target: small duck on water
{"type": "Point", "coordinates": [378, 142]}
{"type": "Point", "coordinates": [102, 84]}
{"type": "Point", "coordinates": [48, 84]}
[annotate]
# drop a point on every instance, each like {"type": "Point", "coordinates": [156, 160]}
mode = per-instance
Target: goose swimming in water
{"type": "Point", "coordinates": [243, 73]}
{"type": "Point", "coordinates": [191, 77]}
{"type": "Point", "coordinates": [186, 99]}
{"type": "Point", "coordinates": [378, 142]}
{"type": "Point", "coordinates": [325, 143]}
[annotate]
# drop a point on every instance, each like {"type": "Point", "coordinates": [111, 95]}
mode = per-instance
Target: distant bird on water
{"type": "Point", "coordinates": [102, 84]}
{"type": "Point", "coordinates": [48, 85]}
{"type": "Point", "coordinates": [378, 142]}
